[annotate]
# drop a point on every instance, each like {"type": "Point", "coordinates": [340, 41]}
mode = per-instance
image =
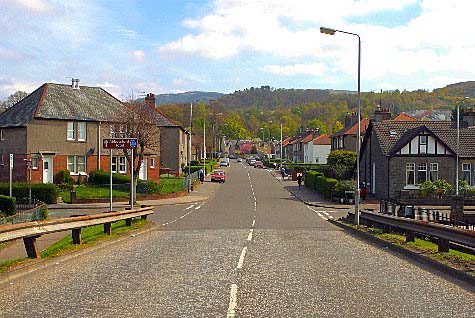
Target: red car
{"type": "Point", "coordinates": [258, 164]}
{"type": "Point", "coordinates": [218, 175]}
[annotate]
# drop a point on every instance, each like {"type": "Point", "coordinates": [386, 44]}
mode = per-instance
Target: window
{"type": "Point", "coordinates": [466, 172]}
{"type": "Point", "coordinates": [152, 163]}
{"type": "Point", "coordinates": [71, 131]}
{"type": "Point", "coordinates": [423, 144]}
{"type": "Point", "coordinates": [410, 173]}
{"type": "Point", "coordinates": [35, 162]}
{"type": "Point", "coordinates": [2, 134]}
{"type": "Point", "coordinates": [421, 172]}
{"type": "Point", "coordinates": [122, 165]}
{"type": "Point", "coordinates": [77, 164]}
{"type": "Point", "coordinates": [81, 131]}
{"type": "Point", "coordinates": [114, 164]}
{"type": "Point", "coordinates": [434, 172]}
{"type": "Point", "coordinates": [71, 164]}
{"type": "Point", "coordinates": [81, 164]}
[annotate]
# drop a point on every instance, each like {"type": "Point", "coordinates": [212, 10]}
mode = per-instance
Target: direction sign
{"type": "Point", "coordinates": [119, 143]}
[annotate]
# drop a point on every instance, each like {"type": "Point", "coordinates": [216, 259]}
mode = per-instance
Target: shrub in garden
{"type": "Point", "coordinates": [63, 177]}
{"type": "Point", "coordinates": [342, 186]}
{"type": "Point", "coordinates": [45, 192]}
{"type": "Point", "coordinates": [103, 177]}
{"type": "Point", "coordinates": [325, 185]}
{"type": "Point", "coordinates": [7, 205]}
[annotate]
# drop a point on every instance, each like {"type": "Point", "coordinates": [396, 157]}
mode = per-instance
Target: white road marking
{"type": "Point", "coordinates": [249, 237]}
{"type": "Point", "coordinates": [319, 213]}
{"type": "Point", "coordinates": [190, 207]}
{"type": "Point", "coordinates": [241, 258]}
{"type": "Point", "coordinates": [328, 215]}
{"type": "Point", "coordinates": [253, 223]}
{"type": "Point", "coordinates": [232, 301]}
{"type": "Point", "coordinates": [198, 207]}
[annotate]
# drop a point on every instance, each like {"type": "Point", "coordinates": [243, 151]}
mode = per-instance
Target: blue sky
{"type": "Point", "coordinates": [169, 46]}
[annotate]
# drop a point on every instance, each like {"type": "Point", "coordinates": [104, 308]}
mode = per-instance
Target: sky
{"type": "Point", "coordinates": [170, 46]}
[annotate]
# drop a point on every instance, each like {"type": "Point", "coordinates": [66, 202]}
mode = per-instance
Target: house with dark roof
{"type": "Point", "coordinates": [61, 127]}
{"type": "Point", "coordinates": [400, 155]}
{"type": "Point", "coordinates": [345, 139]}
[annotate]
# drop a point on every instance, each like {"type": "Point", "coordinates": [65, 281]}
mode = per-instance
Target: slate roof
{"type": "Point", "coordinates": [353, 129]}
{"type": "Point", "coordinates": [60, 101]}
{"type": "Point", "coordinates": [393, 135]}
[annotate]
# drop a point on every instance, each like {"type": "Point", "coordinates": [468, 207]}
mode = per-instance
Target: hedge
{"type": "Point", "coordinates": [103, 177]}
{"type": "Point", "coordinates": [7, 205]}
{"type": "Point", "coordinates": [310, 177]}
{"type": "Point", "coordinates": [209, 167]}
{"type": "Point", "coordinates": [45, 192]}
{"type": "Point", "coordinates": [317, 181]}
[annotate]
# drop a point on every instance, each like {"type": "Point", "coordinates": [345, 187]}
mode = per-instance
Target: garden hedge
{"type": "Point", "coordinates": [103, 177]}
{"type": "Point", "coordinates": [317, 181]}
{"type": "Point", "coordinates": [45, 192]}
{"type": "Point", "coordinates": [7, 205]}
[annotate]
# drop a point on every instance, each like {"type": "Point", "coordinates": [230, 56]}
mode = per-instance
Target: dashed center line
{"type": "Point", "coordinates": [186, 214]}
{"type": "Point", "coordinates": [241, 258]}
{"type": "Point", "coordinates": [232, 301]}
{"type": "Point", "coordinates": [249, 237]}
{"type": "Point", "coordinates": [191, 206]}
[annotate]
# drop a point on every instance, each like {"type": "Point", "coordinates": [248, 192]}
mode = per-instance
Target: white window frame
{"type": "Point", "coordinates": [35, 163]}
{"type": "Point", "coordinates": [71, 130]}
{"type": "Point", "coordinates": [71, 164]}
{"type": "Point", "coordinates": [82, 165]}
{"type": "Point", "coordinates": [423, 145]}
{"type": "Point", "coordinates": [421, 167]}
{"type": "Point", "coordinates": [466, 168]}
{"type": "Point", "coordinates": [115, 162]}
{"type": "Point", "coordinates": [122, 164]}
{"type": "Point", "coordinates": [152, 163]}
{"type": "Point", "coordinates": [2, 134]}
{"type": "Point", "coordinates": [411, 167]}
{"type": "Point", "coordinates": [434, 169]}
{"type": "Point", "coordinates": [81, 131]}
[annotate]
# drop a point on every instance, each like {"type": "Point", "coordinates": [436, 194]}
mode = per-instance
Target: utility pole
{"type": "Point", "coordinates": [189, 152]}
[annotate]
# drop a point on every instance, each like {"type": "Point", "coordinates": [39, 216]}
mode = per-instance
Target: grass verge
{"type": "Point", "coordinates": [458, 260]}
{"type": "Point", "coordinates": [90, 236]}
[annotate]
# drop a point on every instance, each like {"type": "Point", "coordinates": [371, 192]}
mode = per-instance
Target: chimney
{"type": "Point", "coordinates": [381, 114]}
{"type": "Point", "coordinates": [469, 117]}
{"type": "Point", "coordinates": [75, 83]}
{"type": "Point", "coordinates": [351, 119]}
{"type": "Point", "coordinates": [150, 98]}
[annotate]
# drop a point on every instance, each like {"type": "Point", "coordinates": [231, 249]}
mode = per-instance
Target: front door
{"type": "Point", "coordinates": [48, 169]}
{"type": "Point", "coordinates": [143, 170]}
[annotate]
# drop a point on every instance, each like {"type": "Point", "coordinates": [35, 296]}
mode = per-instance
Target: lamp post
{"type": "Point", "coordinates": [358, 135]}
{"type": "Point", "coordinates": [458, 148]}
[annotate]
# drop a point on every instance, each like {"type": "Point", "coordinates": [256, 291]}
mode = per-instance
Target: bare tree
{"type": "Point", "coordinates": [138, 120]}
{"type": "Point", "coordinates": [15, 98]}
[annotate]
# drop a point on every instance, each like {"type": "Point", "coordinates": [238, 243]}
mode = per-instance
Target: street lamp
{"type": "Point", "coordinates": [358, 136]}
{"type": "Point", "coordinates": [458, 147]}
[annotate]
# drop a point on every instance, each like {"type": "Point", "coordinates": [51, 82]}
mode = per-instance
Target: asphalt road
{"type": "Point", "coordinates": [251, 250]}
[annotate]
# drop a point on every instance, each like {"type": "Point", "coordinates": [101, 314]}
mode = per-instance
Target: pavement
{"type": "Point", "coordinates": [250, 250]}
{"type": "Point", "coordinates": [313, 198]}
{"type": "Point", "coordinates": [16, 249]}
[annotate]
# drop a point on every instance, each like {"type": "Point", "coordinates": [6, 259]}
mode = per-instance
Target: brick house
{"type": "Point", "coordinates": [345, 139]}
{"type": "Point", "coordinates": [60, 127]}
{"type": "Point", "coordinates": [399, 155]}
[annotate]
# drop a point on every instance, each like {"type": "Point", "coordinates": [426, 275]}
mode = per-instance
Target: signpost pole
{"type": "Point", "coordinates": [110, 179]}
{"type": "Point", "coordinates": [132, 180]}
{"type": "Point", "coordinates": [11, 174]}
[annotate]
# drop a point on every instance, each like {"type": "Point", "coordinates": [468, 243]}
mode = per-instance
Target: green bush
{"type": "Point", "coordinates": [310, 177]}
{"type": "Point", "coordinates": [147, 187]}
{"type": "Point", "coordinates": [63, 177]}
{"type": "Point", "coordinates": [103, 177]}
{"type": "Point", "coordinates": [342, 163]}
{"type": "Point", "coordinates": [45, 192]}
{"type": "Point", "coordinates": [7, 205]}
{"type": "Point", "coordinates": [325, 185]}
{"type": "Point", "coordinates": [342, 186]}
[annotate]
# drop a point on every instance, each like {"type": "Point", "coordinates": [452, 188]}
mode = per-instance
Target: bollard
{"type": "Point", "coordinates": [76, 234]}
{"type": "Point", "coordinates": [442, 245]}
{"type": "Point", "coordinates": [31, 247]}
{"type": "Point", "coordinates": [128, 222]}
{"type": "Point", "coordinates": [410, 236]}
{"type": "Point", "coordinates": [108, 228]}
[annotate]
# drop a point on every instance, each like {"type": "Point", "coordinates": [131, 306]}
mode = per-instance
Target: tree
{"type": "Point", "coordinates": [138, 120]}
{"type": "Point", "coordinates": [15, 98]}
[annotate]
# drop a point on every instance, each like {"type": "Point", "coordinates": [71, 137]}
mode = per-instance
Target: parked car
{"type": "Point", "coordinates": [224, 162]}
{"type": "Point", "coordinates": [239, 160]}
{"type": "Point", "coordinates": [218, 176]}
{"type": "Point", "coordinates": [252, 162]}
{"type": "Point", "coordinates": [258, 164]}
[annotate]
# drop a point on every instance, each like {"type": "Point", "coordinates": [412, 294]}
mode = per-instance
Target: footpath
{"type": "Point", "coordinates": [313, 198]}
{"type": "Point", "coordinates": [16, 249]}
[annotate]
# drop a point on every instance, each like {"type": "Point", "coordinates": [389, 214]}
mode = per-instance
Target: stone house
{"type": "Point", "coordinates": [61, 127]}
{"type": "Point", "coordinates": [345, 139]}
{"type": "Point", "coordinates": [399, 155]}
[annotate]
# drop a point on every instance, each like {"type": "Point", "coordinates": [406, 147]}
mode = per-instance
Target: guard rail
{"type": "Point", "coordinates": [30, 231]}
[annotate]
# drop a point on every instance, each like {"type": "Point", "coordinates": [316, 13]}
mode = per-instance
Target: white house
{"type": "Point", "coordinates": [317, 149]}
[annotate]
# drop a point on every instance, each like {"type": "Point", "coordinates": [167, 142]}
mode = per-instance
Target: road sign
{"type": "Point", "coordinates": [119, 143]}
{"type": "Point", "coordinates": [11, 161]}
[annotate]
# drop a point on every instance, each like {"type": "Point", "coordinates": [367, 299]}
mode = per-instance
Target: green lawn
{"type": "Point", "coordinates": [90, 235]}
{"type": "Point", "coordinates": [171, 184]}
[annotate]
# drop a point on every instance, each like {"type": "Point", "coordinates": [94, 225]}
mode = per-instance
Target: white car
{"type": "Point", "coordinates": [224, 163]}
{"type": "Point", "coordinates": [252, 162]}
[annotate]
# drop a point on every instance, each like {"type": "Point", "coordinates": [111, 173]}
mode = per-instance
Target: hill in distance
{"type": "Point", "coordinates": [187, 97]}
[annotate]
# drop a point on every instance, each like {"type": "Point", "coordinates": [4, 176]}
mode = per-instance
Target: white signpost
{"type": "Point", "coordinates": [121, 143]}
{"type": "Point", "coordinates": [11, 174]}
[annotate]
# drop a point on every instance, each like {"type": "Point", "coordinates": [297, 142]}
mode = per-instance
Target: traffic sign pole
{"type": "Point", "coordinates": [110, 159]}
{"type": "Point", "coordinates": [11, 174]}
{"type": "Point", "coordinates": [132, 180]}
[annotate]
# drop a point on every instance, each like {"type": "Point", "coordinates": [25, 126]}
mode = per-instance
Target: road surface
{"type": "Point", "coordinates": [251, 250]}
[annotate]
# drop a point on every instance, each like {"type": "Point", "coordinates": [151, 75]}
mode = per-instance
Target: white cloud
{"type": "Point", "coordinates": [138, 55]}
{"type": "Point", "coordinates": [295, 69]}
{"type": "Point", "coordinates": [180, 82]}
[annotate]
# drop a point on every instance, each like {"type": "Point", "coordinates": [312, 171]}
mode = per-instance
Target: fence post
{"type": "Point", "coordinates": [108, 228]}
{"type": "Point", "coordinates": [76, 234]}
{"type": "Point", "coordinates": [442, 245]}
{"type": "Point", "coordinates": [410, 236]}
{"type": "Point", "coordinates": [30, 246]}
{"type": "Point", "coordinates": [456, 208]}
